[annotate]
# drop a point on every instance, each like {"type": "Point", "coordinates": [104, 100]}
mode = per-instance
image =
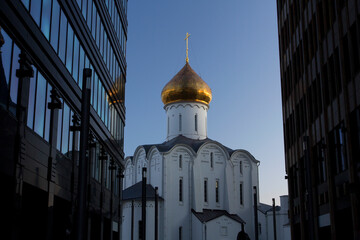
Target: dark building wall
{"type": "Point", "coordinates": [320, 77]}
{"type": "Point", "coordinates": [45, 46]}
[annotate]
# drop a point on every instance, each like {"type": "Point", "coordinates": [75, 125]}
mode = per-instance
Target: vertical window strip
{"type": "Point", "coordinates": [217, 191]}
{"type": "Point", "coordinates": [205, 190]}
{"type": "Point", "coordinates": [180, 190]}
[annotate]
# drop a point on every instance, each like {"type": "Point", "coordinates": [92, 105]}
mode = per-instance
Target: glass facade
{"type": "Point", "coordinates": [58, 40]}
{"type": "Point", "coordinates": [59, 32]}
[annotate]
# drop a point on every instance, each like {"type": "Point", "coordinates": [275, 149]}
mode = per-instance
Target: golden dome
{"type": "Point", "coordinates": [186, 85]}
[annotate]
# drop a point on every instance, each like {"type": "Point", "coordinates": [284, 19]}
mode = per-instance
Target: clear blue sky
{"type": "Point", "coordinates": [234, 48]}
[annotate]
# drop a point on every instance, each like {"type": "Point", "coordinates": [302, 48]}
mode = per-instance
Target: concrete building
{"type": "Point", "coordinates": [320, 76]}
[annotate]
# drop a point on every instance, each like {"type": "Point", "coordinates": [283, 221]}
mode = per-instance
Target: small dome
{"type": "Point", "coordinates": [186, 85]}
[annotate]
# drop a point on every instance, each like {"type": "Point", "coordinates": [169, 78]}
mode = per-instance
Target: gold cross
{"type": "Point", "coordinates": [187, 47]}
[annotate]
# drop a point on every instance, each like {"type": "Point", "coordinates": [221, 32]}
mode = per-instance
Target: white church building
{"type": "Point", "coordinates": [205, 189]}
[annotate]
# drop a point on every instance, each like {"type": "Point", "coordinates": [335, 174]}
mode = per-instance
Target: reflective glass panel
{"type": "Point", "coordinates": [31, 105]}
{"type": "Point", "coordinates": [69, 48]}
{"type": "Point", "coordinates": [14, 81]}
{"type": "Point", "coordinates": [65, 130]}
{"type": "Point", "coordinates": [45, 18]}
{"type": "Point", "coordinates": [62, 36]}
{"type": "Point", "coordinates": [40, 105]}
{"type": "Point", "coordinates": [76, 59]}
{"type": "Point", "coordinates": [60, 117]}
{"type": "Point", "coordinates": [47, 113]}
{"type": "Point", "coordinates": [55, 22]}
{"type": "Point", "coordinates": [26, 3]}
{"type": "Point", "coordinates": [6, 51]}
{"type": "Point", "coordinates": [35, 11]}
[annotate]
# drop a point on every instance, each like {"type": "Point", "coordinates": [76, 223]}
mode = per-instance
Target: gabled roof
{"type": "Point", "coordinates": [210, 214]}
{"type": "Point", "coordinates": [135, 192]}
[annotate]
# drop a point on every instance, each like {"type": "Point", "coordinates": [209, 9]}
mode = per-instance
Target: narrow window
{"type": "Point", "coordinates": [180, 122]}
{"type": "Point", "coordinates": [241, 167]}
{"type": "Point", "coordinates": [217, 191]}
{"type": "Point", "coordinates": [211, 160]}
{"type": "Point", "coordinates": [140, 230]}
{"type": "Point", "coordinates": [241, 194]}
{"type": "Point", "coordinates": [180, 233]}
{"type": "Point", "coordinates": [168, 126]}
{"type": "Point", "coordinates": [205, 191]}
{"type": "Point", "coordinates": [180, 161]}
{"type": "Point", "coordinates": [180, 190]}
{"type": "Point", "coordinates": [196, 127]}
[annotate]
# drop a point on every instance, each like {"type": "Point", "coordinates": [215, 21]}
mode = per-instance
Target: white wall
{"type": "Point", "coordinates": [222, 228]}
{"type": "Point", "coordinates": [177, 214]}
{"type": "Point", "coordinates": [187, 110]}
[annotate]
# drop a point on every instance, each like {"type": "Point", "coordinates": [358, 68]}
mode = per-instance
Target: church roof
{"type": "Point", "coordinates": [193, 143]}
{"type": "Point", "coordinates": [210, 214]}
{"type": "Point", "coordinates": [135, 192]}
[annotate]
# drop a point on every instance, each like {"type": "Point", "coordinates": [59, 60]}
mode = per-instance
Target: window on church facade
{"type": "Point", "coordinates": [211, 160]}
{"type": "Point", "coordinates": [180, 190]}
{"type": "Point", "coordinates": [168, 126]}
{"type": "Point", "coordinates": [180, 161]}
{"type": "Point", "coordinates": [241, 194]}
{"type": "Point", "coordinates": [180, 233]}
{"type": "Point", "coordinates": [217, 191]}
{"type": "Point", "coordinates": [196, 120]}
{"type": "Point", "coordinates": [241, 167]}
{"type": "Point", "coordinates": [205, 191]}
{"type": "Point", "coordinates": [180, 122]}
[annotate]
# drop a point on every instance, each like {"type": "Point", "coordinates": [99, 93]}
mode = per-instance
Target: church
{"type": "Point", "coordinates": [196, 188]}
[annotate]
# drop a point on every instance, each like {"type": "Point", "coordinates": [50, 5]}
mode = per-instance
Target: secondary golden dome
{"type": "Point", "coordinates": [186, 85]}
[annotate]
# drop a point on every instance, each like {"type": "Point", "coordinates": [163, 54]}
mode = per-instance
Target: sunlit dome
{"type": "Point", "coordinates": [186, 85]}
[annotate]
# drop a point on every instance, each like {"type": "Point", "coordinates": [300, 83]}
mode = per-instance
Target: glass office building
{"type": "Point", "coordinates": [45, 45]}
{"type": "Point", "coordinates": [320, 77]}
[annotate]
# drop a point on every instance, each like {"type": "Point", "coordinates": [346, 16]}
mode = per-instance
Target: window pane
{"type": "Point", "coordinates": [14, 81]}
{"type": "Point", "coordinates": [31, 105]}
{"type": "Point", "coordinates": [35, 10]}
{"type": "Point", "coordinates": [76, 59]}
{"type": "Point", "coordinates": [81, 66]}
{"type": "Point", "coordinates": [40, 105]}
{"type": "Point", "coordinates": [69, 48]}
{"type": "Point", "coordinates": [6, 56]}
{"type": "Point", "coordinates": [58, 143]}
{"type": "Point", "coordinates": [45, 18]}
{"type": "Point", "coordinates": [62, 39]}
{"type": "Point", "coordinates": [65, 130]}
{"type": "Point", "coordinates": [47, 111]}
{"type": "Point", "coordinates": [88, 16]}
{"type": "Point", "coordinates": [26, 3]}
{"type": "Point", "coordinates": [96, 83]}
{"type": "Point", "coordinates": [55, 21]}
{"type": "Point", "coordinates": [70, 132]}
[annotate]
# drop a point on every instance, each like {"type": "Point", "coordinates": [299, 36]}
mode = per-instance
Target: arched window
{"type": "Point", "coordinates": [211, 160]}
{"type": "Point", "coordinates": [196, 120]}
{"type": "Point", "coordinates": [241, 167]}
{"type": "Point", "coordinates": [180, 122]}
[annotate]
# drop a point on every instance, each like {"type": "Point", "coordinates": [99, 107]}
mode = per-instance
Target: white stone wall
{"type": "Point", "coordinates": [177, 213]}
{"type": "Point", "coordinates": [165, 171]}
{"type": "Point", "coordinates": [222, 228]}
{"type": "Point", "coordinates": [187, 111]}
